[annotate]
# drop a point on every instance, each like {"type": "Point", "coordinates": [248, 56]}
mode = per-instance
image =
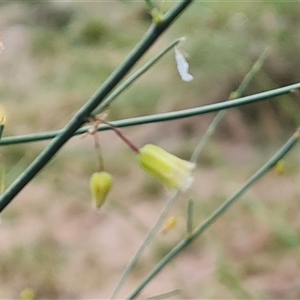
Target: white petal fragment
{"type": "Point", "coordinates": [182, 66]}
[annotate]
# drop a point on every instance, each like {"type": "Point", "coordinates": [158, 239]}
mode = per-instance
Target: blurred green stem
{"type": "Point", "coordinates": [150, 4]}
{"type": "Point", "coordinates": [234, 95]}
{"type": "Point", "coordinates": [1, 130]}
{"type": "Point", "coordinates": [217, 213]}
{"type": "Point", "coordinates": [190, 216]}
{"type": "Point", "coordinates": [165, 295]}
{"type": "Point", "coordinates": [185, 113]}
{"type": "Point", "coordinates": [85, 111]}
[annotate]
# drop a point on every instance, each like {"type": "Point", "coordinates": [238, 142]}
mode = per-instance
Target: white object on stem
{"type": "Point", "coordinates": [182, 66]}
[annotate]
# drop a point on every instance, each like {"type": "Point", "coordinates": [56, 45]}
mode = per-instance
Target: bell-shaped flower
{"type": "Point", "coordinates": [173, 172]}
{"type": "Point", "coordinates": [100, 185]}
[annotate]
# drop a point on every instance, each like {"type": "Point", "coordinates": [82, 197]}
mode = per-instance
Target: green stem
{"type": "Point", "coordinates": [150, 4]}
{"type": "Point", "coordinates": [185, 113]}
{"type": "Point", "coordinates": [165, 295]}
{"type": "Point", "coordinates": [1, 130]}
{"type": "Point", "coordinates": [236, 94]}
{"type": "Point", "coordinates": [85, 111]}
{"type": "Point", "coordinates": [135, 76]}
{"type": "Point", "coordinates": [190, 217]}
{"type": "Point", "coordinates": [217, 213]}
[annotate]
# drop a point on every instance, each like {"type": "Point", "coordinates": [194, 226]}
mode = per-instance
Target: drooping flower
{"type": "Point", "coordinates": [169, 169]}
{"type": "Point", "coordinates": [100, 185]}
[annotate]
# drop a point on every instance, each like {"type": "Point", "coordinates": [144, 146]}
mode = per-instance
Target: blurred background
{"type": "Point", "coordinates": [56, 56]}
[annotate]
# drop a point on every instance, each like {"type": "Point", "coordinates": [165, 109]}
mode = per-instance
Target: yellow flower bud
{"type": "Point", "coordinates": [170, 224]}
{"type": "Point", "coordinates": [100, 185]}
{"type": "Point", "coordinates": [157, 16]}
{"type": "Point", "coordinates": [279, 168]}
{"type": "Point", "coordinates": [28, 294]}
{"type": "Point", "coordinates": [166, 167]}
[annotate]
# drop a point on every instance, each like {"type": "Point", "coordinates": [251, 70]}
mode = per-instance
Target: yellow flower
{"type": "Point", "coordinates": [100, 185]}
{"type": "Point", "coordinates": [166, 167]}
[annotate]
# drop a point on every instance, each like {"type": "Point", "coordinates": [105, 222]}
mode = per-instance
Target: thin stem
{"type": "Point", "coordinates": [85, 111]}
{"type": "Point", "coordinates": [217, 213]}
{"type": "Point", "coordinates": [1, 130]}
{"type": "Point", "coordinates": [165, 295]}
{"type": "Point", "coordinates": [162, 117]}
{"type": "Point", "coordinates": [122, 137]}
{"type": "Point", "coordinates": [101, 166]}
{"type": "Point", "coordinates": [236, 94]}
{"type": "Point", "coordinates": [253, 72]}
{"type": "Point", "coordinates": [2, 175]}
{"type": "Point", "coordinates": [150, 4]}
{"type": "Point", "coordinates": [127, 83]}
{"type": "Point", "coordinates": [190, 217]}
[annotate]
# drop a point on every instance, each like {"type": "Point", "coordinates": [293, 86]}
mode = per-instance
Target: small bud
{"type": "Point", "coordinates": [166, 167]}
{"type": "Point", "coordinates": [157, 16]}
{"type": "Point", "coordinates": [170, 224]}
{"type": "Point", "coordinates": [27, 294]}
{"type": "Point", "coordinates": [100, 185]}
{"type": "Point", "coordinates": [279, 168]}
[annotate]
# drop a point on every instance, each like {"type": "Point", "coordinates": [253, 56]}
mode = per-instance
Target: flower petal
{"type": "Point", "coordinates": [182, 66]}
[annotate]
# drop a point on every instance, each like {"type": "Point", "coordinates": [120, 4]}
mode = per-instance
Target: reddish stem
{"type": "Point", "coordinates": [122, 137]}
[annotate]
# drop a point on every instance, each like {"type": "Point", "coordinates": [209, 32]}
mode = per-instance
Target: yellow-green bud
{"type": "Point", "coordinates": [157, 16]}
{"type": "Point", "coordinates": [100, 185]}
{"type": "Point", "coordinates": [172, 171]}
{"type": "Point", "coordinates": [27, 294]}
{"type": "Point", "coordinates": [279, 167]}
